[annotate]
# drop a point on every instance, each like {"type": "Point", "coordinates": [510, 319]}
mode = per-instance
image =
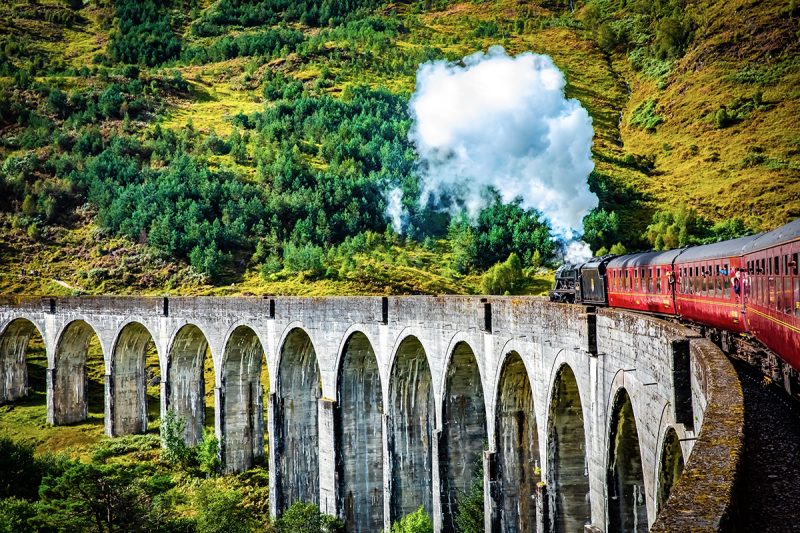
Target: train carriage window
{"type": "Point", "coordinates": [697, 280]}
{"type": "Point", "coordinates": [718, 292]}
{"type": "Point", "coordinates": [726, 282]}
{"type": "Point", "coordinates": [757, 292]}
{"type": "Point", "coordinates": [658, 280]}
{"type": "Point", "coordinates": [649, 280]}
{"type": "Point", "coordinates": [777, 261]}
{"type": "Point", "coordinates": [787, 296]}
{"type": "Point", "coordinates": [793, 265]}
{"type": "Point", "coordinates": [704, 283]}
{"type": "Point", "coordinates": [771, 289]}
{"type": "Point", "coordinates": [797, 297]}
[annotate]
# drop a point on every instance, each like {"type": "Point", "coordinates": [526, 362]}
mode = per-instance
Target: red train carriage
{"type": "Point", "coordinates": [710, 285]}
{"type": "Point", "coordinates": [772, 290]}
{"type": "Point", "coordinates": [642, 281]}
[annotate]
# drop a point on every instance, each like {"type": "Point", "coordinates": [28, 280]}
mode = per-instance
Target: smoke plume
{"type": "Point", "coordinates": [503, 122]}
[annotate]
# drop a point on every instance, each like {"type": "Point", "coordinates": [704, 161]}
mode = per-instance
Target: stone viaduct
{"type": "Point", "coordinates": [579, 418]}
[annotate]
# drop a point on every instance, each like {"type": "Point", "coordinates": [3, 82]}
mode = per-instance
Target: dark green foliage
{"type": "Point", "coordinates": [644, 116]}
{"type": "Point", "coordinates": [684, 226]}
{"type": "Point", "coordinates": [738, 110]}
{"type": "Point", "coordinates": [266, 43]}
{"type": "Point", "coordinates": [653, 32]}
{"type": "Point", "coordinates": [601, 229]}
{"type": "Point", "coordinates": [306, 258]}
{"type": "Point", "coordinates": [16, 514]}
{"type": "Point", "coordinates": [469, 517]}
{"type": "Point", "coordinates": [20, 473]}
{"type": "Point", "coordinates": [306, 518]}
{"type": "Point", "coordinates": [503, 229]}
{"type": "Point", "coordinates": [144, 34]}
{"type": "Point", "coordinates": [100, 498]}
{"type": "Point", "coordinates": [249, 13]}
{"type": "Point", "coordinates": [175, 450]}
{"type": "Point", "coordinates": [630, 208]}
{"type": "Point", "coordinates": [222, 511]}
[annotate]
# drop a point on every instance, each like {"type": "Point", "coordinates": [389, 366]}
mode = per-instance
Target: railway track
{"type": "Point", "coordinates": [769, 485]}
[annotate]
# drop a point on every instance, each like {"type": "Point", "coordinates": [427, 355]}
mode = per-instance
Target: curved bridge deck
{"type": "Point", "coordinates": [577, 416]}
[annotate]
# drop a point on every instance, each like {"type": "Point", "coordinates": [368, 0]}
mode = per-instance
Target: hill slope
{"type": "Point", "coordinates": [248, 149]}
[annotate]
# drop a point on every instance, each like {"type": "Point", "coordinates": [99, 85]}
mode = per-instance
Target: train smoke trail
{"type": "Point", "coordinates": [503, 122]}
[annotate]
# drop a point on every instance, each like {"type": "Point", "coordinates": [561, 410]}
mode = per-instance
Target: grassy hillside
{"type": "Point", "coordinates": [693, 105]}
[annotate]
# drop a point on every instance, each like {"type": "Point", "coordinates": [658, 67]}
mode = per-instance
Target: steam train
{"type": "Point", "coordinates": [733, 290]}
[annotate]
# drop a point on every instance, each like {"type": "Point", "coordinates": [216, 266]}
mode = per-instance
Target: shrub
{"type": "Point", "coordinates": [504, 278]}
{"type": "Point", "coordinates": [20, 473]}
{"type": "Point", "coordinates": [221, 511]}
{"type": "Point", "coordinates": [208, 454]}
{"type": "Point", "coordinates": [644, 116]}
{"type": "Point", "coordinates": [416, 522]}
{"type": "Point", "coordinates": [15, 515]}
{"type": "Point", "coordinates": [172, 436]}
{"type": "Point", "coordinates": [306, 518]}
{"type": "Point", "coordinates": [304, 258]}
{"type": "Point", "coordinates": [469, 517]}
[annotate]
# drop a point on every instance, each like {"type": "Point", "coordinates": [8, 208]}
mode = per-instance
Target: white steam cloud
{"type": "Point", "coordinates": [395, 210]}
{"type": "Point", "coordinates": [577, 252]}
{"type": "Point", "coordinates": [503, 122]}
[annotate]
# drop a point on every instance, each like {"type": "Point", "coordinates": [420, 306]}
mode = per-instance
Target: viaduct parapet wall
{"type": "Point", "coordinates": [577, 417]}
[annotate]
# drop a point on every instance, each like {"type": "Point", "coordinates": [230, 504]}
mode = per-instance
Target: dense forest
{"type": "Point", "coordinates": [254, 142]}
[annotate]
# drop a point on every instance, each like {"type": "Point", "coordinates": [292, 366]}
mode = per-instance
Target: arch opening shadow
{"type": "Point", "coordinates": [463, 432]}
{"type": "Point", "coordinates": [242, 400]}
{"type": "Point", "coordinates": [133, 375]}
{"type": "Point", "coordinates": [296, 424]}
{"type": "Point", "coordinates": [517, 445]}
{"type": "Point", "coordinates": [23, 362]}
{"type": "Point", "coordinates": [671, 466]}
{"type": "Point", "coordinates": [627, 508]}
{"type": "Point", "coordinates": [359, 437]}
{"type": "Point", "coordinates": [190, 382]}
{"type": "Point", "coordinates": [78, 377]}
{"type": "Point", "coordinates": [412, 422]}
{"type": "Point", "coordinates": [568, 471]}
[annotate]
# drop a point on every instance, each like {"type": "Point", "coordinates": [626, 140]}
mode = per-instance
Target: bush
{"type": "Point", "coordinates": [173, 429]}
{"type": "Point", "coordinates": [15, 515]}
{"type": "Point", "coordinates": [416, 522]}
{"type": "Point", "coordinates": [644, 116]}
{"type": "Point", "coordinates": [208, 454]}
{"type": "Point", "coordinates": [469, 517]}
{"type": "Point", "coordinates": [20, 473]}
{"type": "Point", "coordinates": [307, 518]}
{"type": "Point", "coordinates": [504, 278]}
{"type": "Point", "coordinates": [222, 511]}
{"type": "Point", "coordinates": [304, 258]}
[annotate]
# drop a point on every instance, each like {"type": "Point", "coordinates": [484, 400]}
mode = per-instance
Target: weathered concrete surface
{"type": "Point", "coordinates": [326, 444]}
{"type": "Point", "coordinates": [568, 471]}
{"type": "Point", "coordinates": [359, 437]}
{"type": "Point", "coordinates": [463, 434]}
{"type": "Point", "coordinates": [702, 500]}
{"type": "Point", "coordinates": [412, 425]}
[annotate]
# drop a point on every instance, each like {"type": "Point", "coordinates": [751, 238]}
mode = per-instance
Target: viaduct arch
{"type": "Point", "coordinates": [569, 416]}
